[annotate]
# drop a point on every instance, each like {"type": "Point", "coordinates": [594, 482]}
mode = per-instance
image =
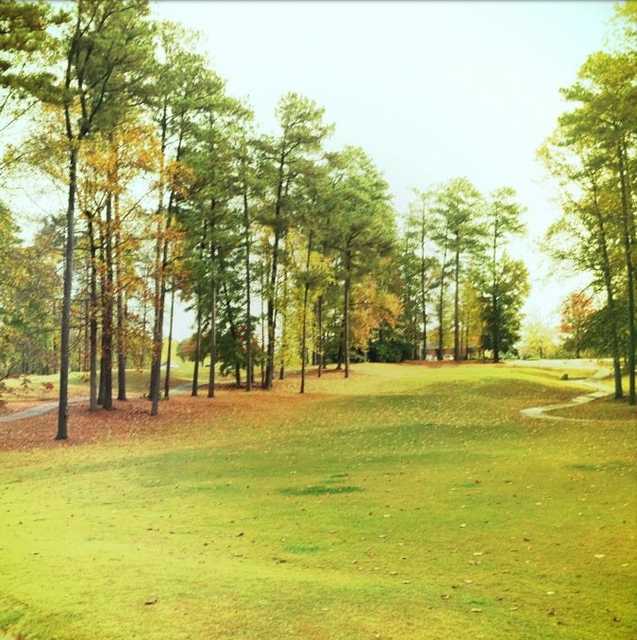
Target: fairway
{"type": "Point", "coordinates": [407, 502]}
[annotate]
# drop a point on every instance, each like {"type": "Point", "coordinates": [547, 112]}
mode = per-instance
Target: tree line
{"type": "Point", "coordinates": [172, 191]}
{"type": "Point", "coordinates": [288, 254]}
{"type": "Point", "coordinates": [460, 287]}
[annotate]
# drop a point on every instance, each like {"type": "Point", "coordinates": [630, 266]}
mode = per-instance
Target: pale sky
{"type": "Point", "coordinates": [431, 90]}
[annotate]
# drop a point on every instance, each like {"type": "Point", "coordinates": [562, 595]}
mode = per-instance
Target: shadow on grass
{"type": "Point", "coordinates": [318, 490]}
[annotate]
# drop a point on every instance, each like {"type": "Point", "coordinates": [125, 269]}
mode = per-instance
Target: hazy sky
{"type": "Point", "coordinates": [431, 90]}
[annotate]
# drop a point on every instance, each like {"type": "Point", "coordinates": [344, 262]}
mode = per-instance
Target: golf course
{"type": "Point", "coordinates": [318, 320]}
{"type": "Point", "coordinates": [409, 501]}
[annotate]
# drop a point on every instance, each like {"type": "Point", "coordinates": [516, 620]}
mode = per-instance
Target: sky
{"type": "Point", "coordinates": [431, 90]}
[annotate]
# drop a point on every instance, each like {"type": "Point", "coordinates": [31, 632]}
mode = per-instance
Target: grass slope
{"type": "Point", "coordinates": [408, 502]}
{"type": "Point", "coordinates": [46, 387]}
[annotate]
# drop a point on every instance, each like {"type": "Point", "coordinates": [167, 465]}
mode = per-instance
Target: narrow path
{"type": "Point", "coordinates": [599, 391]}
{"type": "Point", "coordinates": [38, 410]}
{"type": "Point", "coordinates": [47, 407]}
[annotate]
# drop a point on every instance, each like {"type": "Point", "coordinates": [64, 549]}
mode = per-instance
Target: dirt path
{"type": "Point", "coordinates": [46, 407]}
{"type": "Point", "coordinates": [599, 391]}
{"type": "Point", "coordinates": [39, 409]}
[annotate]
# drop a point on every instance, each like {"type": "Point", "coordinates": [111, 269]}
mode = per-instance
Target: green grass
{"type": "Point", "coordinates": [45, 387]}
{"type": "Point", "coordinates": [136, 385]}
{"type": "Point", "coordinates": [602, 409]}
{"type": "Point", "coordinates": [406, 503]}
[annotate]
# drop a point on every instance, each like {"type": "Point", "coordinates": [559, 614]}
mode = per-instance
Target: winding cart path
{"type": "Point", "coordinates": [599, 391]}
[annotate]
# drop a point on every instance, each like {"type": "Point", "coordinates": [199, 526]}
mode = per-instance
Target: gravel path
{"type": "Point", "coordinates": [38, 410]}
{"type": "Point", "coordinates": [599, 391]}
{"type": "Point", "coordinates": [43, 408]}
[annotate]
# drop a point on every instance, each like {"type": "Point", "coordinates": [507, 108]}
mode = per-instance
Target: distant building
{"type": "Point", "coordinates": [470, 353]}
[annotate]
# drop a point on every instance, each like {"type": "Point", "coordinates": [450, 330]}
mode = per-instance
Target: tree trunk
{"type": "Point", "coordinates": [101, 385]}
{"type": "Point", "coordinates": [65, 328]}
{"type": "Point", "coordinates": [102, 275]}
{"type": "Point", "coordinates": [495, 327]}
{"type": "Point", "coordinates": [423, 293]}
{"type": "Point", "coordinates": [306, 293]}
{"type": "Point", "coordinates": [170, 342]}
{"type": "Point", "coordinates": [246, 223]}
{"type": "Point", "coordinates": [424, 325]}
{"type": "Point", "coordinates": [121, 307]}
{"type": "Point", "coordinates": [346, 314]}
{"type": "Point", "coordinates": [630, 276]}
{"type": "Point", "coordinates": [142, 351]}
{"type": "Point", "coordinates": [155, 365]}
{"type": "Point", "coordinates": [284, 327]}
{"type": "Point", "coordinates": [85, 327]}
{"type": "Point", "coordinates": [321, 362]}
{"type": "Point", "coordinates": [107, 320]}
{"type": "Point", "coordinates": [456, 307]}
{"type": "Point", "coordinates": [161, 255]}
{"type": "Point", "coordinates": [466, 341]}
{"type": "Point", "coordinates": [441, 343]}
{"type": "Point", "coordinates": [610, 296]}
{"type": "Point", "coordinates": [158, 325]}
{"type": "Point", "coordinates": [198, 358]}
{"type": "Point", "coordinates": [93, 319]}
{"type": "Point", "coordinates": [195, 375]}
{"type": "Point", "coordinates": [278, 232]}
{"type": "Point", "coordinates": [213, 332]}
{"type": "Point", "coordinates": [271, 323]}
{"type": "Point", "coordinates": [263, 345]}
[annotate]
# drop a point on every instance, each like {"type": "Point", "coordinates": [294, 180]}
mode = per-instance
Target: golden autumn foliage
{"type": "Point", "coordinates": [372, 306]}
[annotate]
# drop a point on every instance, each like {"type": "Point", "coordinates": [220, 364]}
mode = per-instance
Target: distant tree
{"type": "Point", "coordinates": [502, 221]}
{"type": "Point", "coordinates": [389, 345]}
{"type": "Point", "coordinates": [418, 236]}
{"type": "Point", "coordinates": [313, 272]}
{"type": "Point", "coordinates": [361, 227]}
{"type": "Point", "coordinates": [459, 206]}
{"type": "Point", "coordinates": [375, 306]}
{"type": "Point", "coordinates": [284, 159]}
{"type": "Point", "coordinates": [412, 321]}
{"type": "Point", "coordinates": [28, 299]}
{"type": "Point", "coordinates": [182, 88]}
{"type": "Point", "coordinates": [538, 340]}
{"type": "Point", "coordinates": [575, 315]}
{"type": "Point", "coordinates": [9, 244]}
{"type": "Point", "coordinates": [502, 320]}
{"type": "Point", "coordinates": [248, 189]}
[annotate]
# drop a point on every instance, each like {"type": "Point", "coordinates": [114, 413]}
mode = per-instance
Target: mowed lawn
{"type": "Point", "coordinates": [408, 502]}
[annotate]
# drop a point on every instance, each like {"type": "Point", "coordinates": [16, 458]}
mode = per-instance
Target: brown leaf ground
{"type": "Point", "coordinates": [132, 420]}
